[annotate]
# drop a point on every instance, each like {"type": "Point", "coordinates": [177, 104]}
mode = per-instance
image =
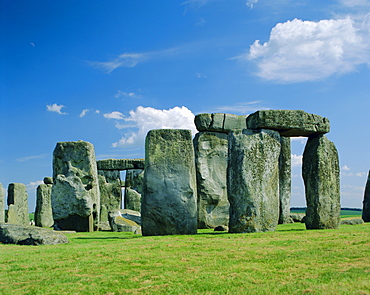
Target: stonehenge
{"type": "Point", "coordinates": [234, 174]}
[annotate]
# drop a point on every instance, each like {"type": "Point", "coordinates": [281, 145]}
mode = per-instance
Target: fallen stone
{"type": "Point", "coordinates": [211, 154]}
{"type": "Point", "coordinates": [18, 204]}
{"type": "Point", "coordinates": [221, 228]}
{"type": "Point", "coordinates": [297, 217]}
{"type": "Point", "coordinates": [219, 122]}
{"type": "Point", "coordinates": [121, 224]}
{"type": "Point", "coordinates": [169, 203]}
{"type": "Point", "coordinates": [30, 235]}
{"type": "Point", "coordinates": [320, 172]}
{"type": "Point", "coordinates": [75, 195]}
{"type": "Point", "coordinates": [352, 221]}
{"type": "Point", "coordinates": [43, 211]}
{"type": "Point", "coordinates": [289, 122]}
{"type": "Point", "coordinates": [366, 203]}
{"type": "Point", "coordinates": [120, 164]}
{"type": "Point", "coordinates": [253, 180]}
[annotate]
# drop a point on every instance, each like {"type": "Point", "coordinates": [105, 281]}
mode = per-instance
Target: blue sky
{"type": "Point", "coordinates": [108, 71]}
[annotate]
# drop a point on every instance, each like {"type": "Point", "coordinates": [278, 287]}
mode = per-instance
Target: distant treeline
{"type": "Point", "coordinates": [344, 208]}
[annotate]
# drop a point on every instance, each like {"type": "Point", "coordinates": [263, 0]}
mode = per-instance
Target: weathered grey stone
{"type": "Point", "coordinates": [320, 171]}
{"type": "Point", "coordinates": [284, 180]}
{"type": "Point", "coordinates": [75, 195]}
{"type": "Point", "coordinates": [297, 217]}
{"type": "Point", "coordinates": [221, 228]}
{"type": "Point", "coordinates": [169, 203]}
{"type": "Point", "coordinates": [43, 211]}
{"type": "Point", "coordinates": [120, 164]}
{"type": "Point", "coordinates": [121, 224]}
{"type": "Point", "coordinates": [366, 203]}
{"type": "Point", "coordinates": [18, 204]}
{"type": "Point", "coordinates": [2, 203]}
{"type": "Point", "coordinates": [30, 235]}
{"type": "Point", "coordinates": [48, 180]}
{"type": "Point", "coordinates": [289, 122]}
{"type": "Point", "coordinates": [253, 180]}
{"type": "Point", "coordinates": [128, 214]}
{"type": "Point", "coordinates": [110, 192]}
{"type": "Point", "coordinates": [134, 189]}
{"type": "Point", "coordinates": [211, 154]}
{"type": "Point", "coordinates": [219, 122]}
{"type": "Point", "coordinates": [352, 221]}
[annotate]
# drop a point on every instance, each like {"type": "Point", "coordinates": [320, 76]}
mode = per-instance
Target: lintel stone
{"type": "Point", "coordinates": [220, 122]}
{"type": "Point", "coordinates": [120, 164]}
{"type": "Point", "coordinates": [289, 122]}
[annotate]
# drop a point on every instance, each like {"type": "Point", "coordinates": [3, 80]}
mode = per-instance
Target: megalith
{"type": "Point", "coordinates": [110, 192]}
{"type": "Point", "coordinates": [169, 203]}
{"type": "Point", "coordinates": [43, 211]}
{"type": "Point", "coordinates": [133, 189]}
{"type": "Point", "coordinates": [253, 180]}
{"type": "Point", "coordinates": [211, 150]}
{"type": "Point", "coordinates": [2, 202]}
{"type": "Point", "coordinates": [366, 203]}
{"type": "Point", "coordinates": [211, 153]}
{"type": "Point", "coordinates": [285, 180]}
{"type": "Point", "coordinates": [289, 122]}
{"type": "Point", "coordinates": [75, 195]}
{"type": "Point", "coordinates": [320, 172]}
{"type": "Point", "coordinates": [18, 204]}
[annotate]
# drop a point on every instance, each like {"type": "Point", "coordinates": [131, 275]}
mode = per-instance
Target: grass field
{"type": "Point", "coordinates": [291, 260]}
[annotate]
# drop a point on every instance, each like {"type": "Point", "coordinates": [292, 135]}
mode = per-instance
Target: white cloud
{"type": "Point", "coordinates": [354, 3]}
{"type": "Point", "coordinates": [361, 174]}
{"type": "Point", "coordinates": [126, 94]}
{"type": "Point", "coordinates": [114, 115]}
{"type": "Point", "coordinates": [144, 119]}
{"type": "Point", "coordinates": [124, 60]}
{"type": "Point", "coordinates": [97, 112]}
{"type": "Point", "coordinates": [56, 108]}
{"type": "Point", "coordinates": [250, 3]}
{"type": "Point", "coordinates": [296, 160]}
{"type": "Point", "coordinates": [24, 159]}
{"type": "Point", "coordinates": [84, 112]}
{"type": "Point", "coordinates": [346, 168]}
{"type": "Point", "coordinates": [305, 50]}
{"type": "Point", "coordinates": [34, 184]}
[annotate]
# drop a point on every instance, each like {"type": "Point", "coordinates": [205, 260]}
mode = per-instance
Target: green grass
{"type": "Point", "coordinates": [290, 260]}
{"type": "Point", "coordinates": [344, 213]}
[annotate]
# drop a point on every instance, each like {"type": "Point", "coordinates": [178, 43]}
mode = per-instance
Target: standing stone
{"type": "Point", "coordinates": [211, 153]}
{"type": "Point", "coordinates": [18, 204]}
{"type": "Point", "coordinates": [110, 192]}
{"type": "Point", "coordinates": [366, 203]}
{"type": "Point", "coordinates": [2, 202]}
{"type": "Point", "coordinates": [253, 180]}
{"type": "Point", "coordinates": [134, 189]}
{"type": "Point", "coordinates": [75, 195]}
{"type": "Point", "coordinates": [43, 211]}
{"type": "Point", "coordinates": [320, 171]}
{"type": "Point", "coordinates": [285, 180]}
{"type": "Point", "coordinates": [169, 203]}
